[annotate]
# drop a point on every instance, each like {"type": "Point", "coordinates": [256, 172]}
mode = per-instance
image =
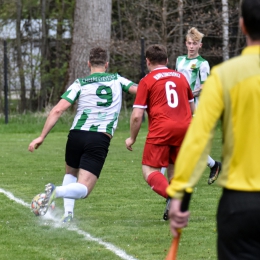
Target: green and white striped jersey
{"type": "Point", "coordinates": [99, 98]}
{"type": "Point", "coordinates": [195, 70]}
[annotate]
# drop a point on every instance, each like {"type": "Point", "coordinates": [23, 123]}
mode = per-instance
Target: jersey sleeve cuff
{"type": "Point", "coordinates": [69, 100]}
{"type": "Point", "coordinates": [126, 88]}
{"type": "Point", "coordinates": [140, 106]}
{"type": "Point", "coordinates": [173, 193]}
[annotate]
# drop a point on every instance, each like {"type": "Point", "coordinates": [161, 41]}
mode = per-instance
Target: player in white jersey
{"type": "Point", "coordinates": [196, 70]}
{"type": "Point", "coordinates": [99, 101]}
{"type": "Point", "coordinates": [99, 97]}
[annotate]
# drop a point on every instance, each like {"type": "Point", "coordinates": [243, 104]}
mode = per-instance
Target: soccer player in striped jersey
{"type": "Point", "coordinates": [196, 70]}
{"type": "Point", "coordinates": [99, 97]}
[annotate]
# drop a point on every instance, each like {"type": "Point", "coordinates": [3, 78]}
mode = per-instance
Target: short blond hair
{"type": "Point", "coordinates": [194, 34]}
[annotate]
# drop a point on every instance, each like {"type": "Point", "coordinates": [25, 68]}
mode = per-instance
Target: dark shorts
{"type": "Point", "coordinates": [238, 221]}
{"type": "Point", "coordinates": [87, 150]}
{"type": "Point", "coordinates": [158, 156]}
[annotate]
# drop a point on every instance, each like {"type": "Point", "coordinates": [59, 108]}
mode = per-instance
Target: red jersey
{"type": "Point", "coordinates": [165, 94]}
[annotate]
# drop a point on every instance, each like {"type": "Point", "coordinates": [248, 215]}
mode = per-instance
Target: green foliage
{"type": "Point", "coordinates": [48, 70]}
{"type": "Point", "coordinates": [7, 9]}
{"type": "Point", "coordinates": [33, 123]}
{"type": "Point", "coordinates": [121, 210]}
{"type": "Point", "coordinates": [155, 21]}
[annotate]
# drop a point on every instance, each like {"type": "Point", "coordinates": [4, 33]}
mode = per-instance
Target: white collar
{"type": "Point", "coordinates": [160, 68]}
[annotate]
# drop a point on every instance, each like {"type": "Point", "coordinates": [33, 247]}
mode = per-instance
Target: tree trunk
{"type": "Point", "coordinates": [33, 99]}
{"type": "Point", "coordinates": [44, 57]}
{"type": "Point", "coordinates": [225, 17]}
{"type": "Point", "coordinates": [180, 8]}
{"type": "Point", "coordinates": [164, 22]}
{"type": "Point", "coordinates": [58, 78]}
{"type": "Point", "coordinates": [19, 56]}
{"type": "Point", "coordinates": [239, 33]}
{"type": "Point", "coordinates": [120, 20]}
{"type": "Point", "coordinates": [92, 28]}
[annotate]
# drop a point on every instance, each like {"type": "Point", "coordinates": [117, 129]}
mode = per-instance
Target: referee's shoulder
{"type": "Point", "coordinates": [230, 64]}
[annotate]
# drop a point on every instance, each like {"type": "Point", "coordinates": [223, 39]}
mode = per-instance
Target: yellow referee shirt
{"type": "Point", "coordinates": [232, 94]}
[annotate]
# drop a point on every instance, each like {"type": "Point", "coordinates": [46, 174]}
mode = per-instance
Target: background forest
{"type": "Point", "coordinates": [47, 41]}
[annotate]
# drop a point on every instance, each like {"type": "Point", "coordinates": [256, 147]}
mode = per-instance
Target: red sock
{"type": "Point", "coordinates": [158, 183]}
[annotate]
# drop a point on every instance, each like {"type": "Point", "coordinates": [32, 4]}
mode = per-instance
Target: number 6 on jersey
{"type": "Point", "coordinates": [171, 94]}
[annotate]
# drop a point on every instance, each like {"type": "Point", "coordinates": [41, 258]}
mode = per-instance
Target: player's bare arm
{"type": "Point", "coordinates": [51, 120]}
{"type": "Point", "coordinates": [133, 89]}
{"type": "Point", "coordinates": [135, 124]}
{"type": "Point", "coordinates": [196, 93]}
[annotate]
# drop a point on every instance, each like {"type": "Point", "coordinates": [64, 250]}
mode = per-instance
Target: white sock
{"type": "Point", "coordinates": [72, 191]}
{"type": "Point", "coordinates": [68, 203]}
{"type": "Point", "coordinates": [163, 169]}
{"type": "Point", "coordinates": [211, 162]}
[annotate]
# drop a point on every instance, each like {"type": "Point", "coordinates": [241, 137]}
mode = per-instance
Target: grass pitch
{"type": "Point", "coordinates": [121, 219]}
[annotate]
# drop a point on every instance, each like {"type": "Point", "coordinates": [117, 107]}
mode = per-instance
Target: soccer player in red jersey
{"type": "Point", "coordinates": [166, 96]}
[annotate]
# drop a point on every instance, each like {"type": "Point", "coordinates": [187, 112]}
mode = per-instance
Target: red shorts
{"type": "Point", "coordinates": [158, 156]}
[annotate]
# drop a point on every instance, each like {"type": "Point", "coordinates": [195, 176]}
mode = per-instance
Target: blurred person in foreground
{"type": "Point", "coordinates": [231, 94]}
{"type": "Point", "coordinates": [167, 98]}
{"type": "Point", "coordinates": [99, 97]}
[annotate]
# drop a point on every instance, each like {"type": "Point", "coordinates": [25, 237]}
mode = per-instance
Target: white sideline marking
{"type": "Point", "coordinates": [119, 252]}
